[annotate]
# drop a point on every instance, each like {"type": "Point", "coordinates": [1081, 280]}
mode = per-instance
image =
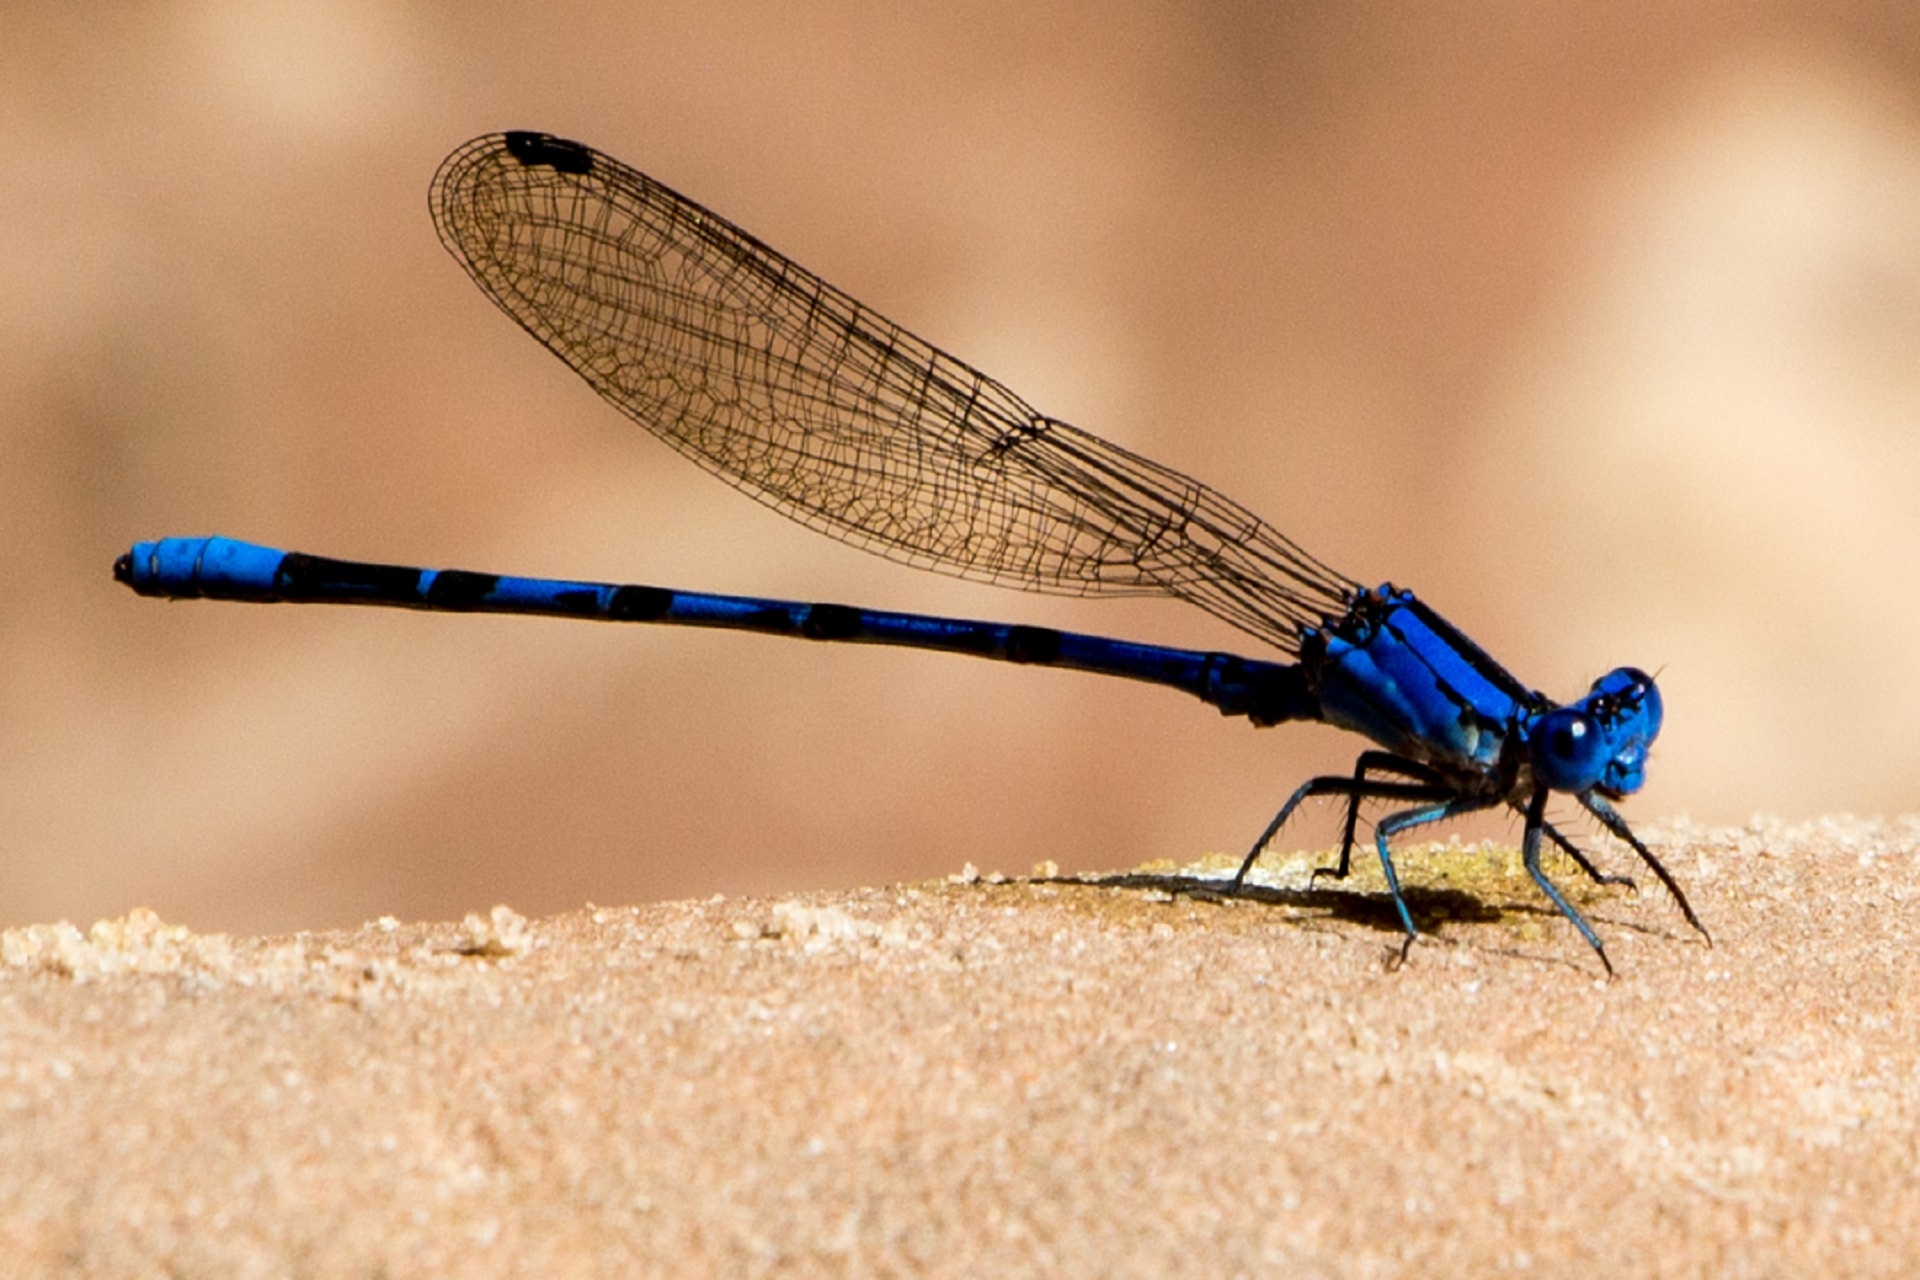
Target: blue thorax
{"type": "Point", "coordinates": [1399, 673]}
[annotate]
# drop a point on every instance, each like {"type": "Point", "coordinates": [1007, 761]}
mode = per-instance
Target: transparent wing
{"type": "Point", "coordinates": [833, 415]}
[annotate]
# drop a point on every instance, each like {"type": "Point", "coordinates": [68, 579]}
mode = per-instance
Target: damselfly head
{"type": "Point", "coordinates": [1600, 741]}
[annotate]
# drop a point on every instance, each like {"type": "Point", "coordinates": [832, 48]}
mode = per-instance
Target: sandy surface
{"type": "Point", "coordinates": [1011, 1077]}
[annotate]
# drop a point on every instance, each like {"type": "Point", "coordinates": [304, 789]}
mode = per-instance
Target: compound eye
{"type": "Point", "coordinates": [1634, 693]}
{"type": "Point", "coordinates": [1569, 751]}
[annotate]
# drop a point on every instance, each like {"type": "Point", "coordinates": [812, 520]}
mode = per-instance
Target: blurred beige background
{"type": "Point", "coordinates": [1600, 327]}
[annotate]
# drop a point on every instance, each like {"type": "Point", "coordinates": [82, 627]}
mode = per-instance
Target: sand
{"type": "Point", "coordinates": [994, 1076]}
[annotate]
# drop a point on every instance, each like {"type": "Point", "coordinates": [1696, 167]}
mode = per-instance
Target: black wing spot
{"type": "Point", "coordinates": [561, 154]}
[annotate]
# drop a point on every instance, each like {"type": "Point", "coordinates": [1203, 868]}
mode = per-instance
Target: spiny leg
{"type": "Point", "coordinates": [1530, 857]}
{"type": "Point", "coordinates": [1573, 851]}
{"type": "Point", "coordinates": [1392, 825]}
{"type": "Point", "coordinates": [1387, 762]}
{"type": "Point", "coordinates": [1617, 825]}
{"type": "Point", "coordinates": [1355, 788]}
{"type": "Point", "coordinates": [1376, 762]}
